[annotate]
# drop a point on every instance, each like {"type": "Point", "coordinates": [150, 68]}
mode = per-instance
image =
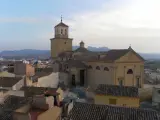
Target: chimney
{"type": "Point", "coordinates": [50, 101]}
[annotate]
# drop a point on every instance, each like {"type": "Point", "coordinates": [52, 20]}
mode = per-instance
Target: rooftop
{"type": "Point", "coordinates": [113, 55]}
{"type": "Point", "coordinates": [84, 111]}
{"type": "Point", "coordinates": [75, 63]}
{"type": "Point", "coordinates": [14, 102]}
{"type": "Point", "coordinates": [61, 24]}
{"type": "Point", "coordinates": [9, 81]}
{"type": "Point", "coordinates": [82, 49]}
{"type": "Point", "coordinates": [31, 91]}
{"type": "Point", "coordinates": [116, 90]}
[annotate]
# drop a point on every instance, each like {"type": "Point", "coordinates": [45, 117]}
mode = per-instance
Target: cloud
{"type": "Point", "coordinates": [36, 19]}
{"type": "Point", "coordinates": [120, 23]}
{"type": "Point", "coordinates": [18, 20]}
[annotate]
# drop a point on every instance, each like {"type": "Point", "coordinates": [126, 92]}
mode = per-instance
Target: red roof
{"type": "Point", "coordinates": [52, 92]}
{"type": "Point", "coordinates": [34, 115]}
{"type": "Point", "coordinates": [37, 110]}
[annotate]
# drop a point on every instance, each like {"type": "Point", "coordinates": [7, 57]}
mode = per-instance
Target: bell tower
{"type": "Point", "coordinates": [61, 30]}
{"type": "Point", "coordinates": [61, 41]}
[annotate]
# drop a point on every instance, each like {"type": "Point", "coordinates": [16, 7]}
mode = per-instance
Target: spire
{"type": "Point", "coordinates": [61, 19]}
{"type": "Point", "coordinates": [81, 44]}
{"type": "Point", "coordinates": [130, 48]}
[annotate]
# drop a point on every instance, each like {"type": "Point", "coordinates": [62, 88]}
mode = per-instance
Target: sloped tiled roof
{"type": "Point", "coordinates": [115, 54]}
{"type": "Point", "coordinates": [10, 104]}
{"type": "Point", "coordinates": [61, 24]}
{"type": "Point", "coordinates": [81, 49]}
{"type": "Point", "coordinates": [75, 63]}
{"type": "Point", "coordinates": [116, 90]}
{"type": "Point", "coordinates": [31, 91]}
{"type": "Point", "coordinates": [84, 111]}
{"type": "Point", "coordinates": [65, 54]}
{"type": "Point", "coordinates": [87, 55]}
{"type": "Point", "coordinates": [9, 81]}
{"type": "Point", "coordinates": [13, 102]}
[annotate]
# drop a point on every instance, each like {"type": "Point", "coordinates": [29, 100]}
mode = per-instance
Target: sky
{"type": "Point", "coordinates": [116, 24]}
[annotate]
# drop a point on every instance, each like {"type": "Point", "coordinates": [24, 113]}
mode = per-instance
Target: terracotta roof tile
{"type": "Point", "coordinates": [81, 49]}
{"type": "Point", "coordinates": [112, 55]}
{"type": "Point", "coordinates": [117, 90]}
{"type": "Point", "coordinates": [14, 102]}
{"type": "Point", "coordinates": [9, 81]}
{"type": "Point", "coordinates": [84, 111]}
{"type": "Point", "coordinates": [61, 24]}
{"type": "Point", "coordinates": [115, 54]}
{"type": "Point", "coordinates": [31, 91]}
{"type": "Point", "coordinates": [65, 54]}
{"type": "Point", "coordinates": [75, 63]}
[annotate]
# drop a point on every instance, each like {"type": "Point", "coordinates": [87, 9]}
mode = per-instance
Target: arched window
{"type": "Point", "coordinates": [97, 68]}
{"type": "Point", "coordinates": [106, 69]}
{"type": "Point", "coordinates": [89, 67]}
{"type": "Point", "coordinates": [130, 71]}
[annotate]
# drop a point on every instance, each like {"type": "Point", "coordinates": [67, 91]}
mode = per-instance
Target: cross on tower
{"type": "Point", "coordinates": [61, 18]}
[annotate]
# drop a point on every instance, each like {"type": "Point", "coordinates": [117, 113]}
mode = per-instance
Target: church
{"type": "Point", "coordinates": [82, 67]}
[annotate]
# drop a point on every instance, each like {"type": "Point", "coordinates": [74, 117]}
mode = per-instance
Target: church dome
{"type": "Point", "coordinates": [81, 42]}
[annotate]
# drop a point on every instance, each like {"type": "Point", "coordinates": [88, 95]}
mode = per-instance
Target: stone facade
{"type": "Point", "coordinates": [86, 68]}
{"type": "Point", "coordinates": [60, 42]}
{"type": "Point", "coordinates": [24, 69]}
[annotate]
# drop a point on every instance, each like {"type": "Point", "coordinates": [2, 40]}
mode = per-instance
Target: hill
{"type": "Point", "coordinates": [32, 53]}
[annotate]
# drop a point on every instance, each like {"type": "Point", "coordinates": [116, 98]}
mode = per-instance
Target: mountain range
{"type": "Point", "coordinates": [43, 54]}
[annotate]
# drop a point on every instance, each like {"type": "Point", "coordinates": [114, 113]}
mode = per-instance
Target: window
{"type": "Point", "coordinates": [106, 69]}
{"type": "Point", "coordinates": [124, 104]}
{"type": "Point", "coordinates": [66, 66]}
{"type": "Point", "coordinates": [130, 71]}
{"type": "Point", "coordinates": [112, 101]}
{"type": "Point", "coordinates": [120, 82]}
{"type": "Point", "coordinates": [159, 91]}
{"type": "Point", "coordinates": [73, 80]}
{"type": "Point", "coordinates": [65, 31]}
{"type": "Point", "coordinates": [138, 82]}
{"type": "Point", "coordinates": [61, 31]}
{"type": "Point", "coordinates": [89, 67]}
{"type": "Point", "coordinates": [97, 68]}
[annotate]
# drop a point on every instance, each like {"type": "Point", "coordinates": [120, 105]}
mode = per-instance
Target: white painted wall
{"type": "Point", "coordinates": [18, 85]}
{"type": "Point", "coordinates": [70, 106]}
{"type": "Point", "coordinates": [16, 93]}
{"type": "Point", "coordinates": [63, 77]}
{"type": "Point", "coordinates": [156, 96]}
{"type": "Point", "coordinates": [49, 81]}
